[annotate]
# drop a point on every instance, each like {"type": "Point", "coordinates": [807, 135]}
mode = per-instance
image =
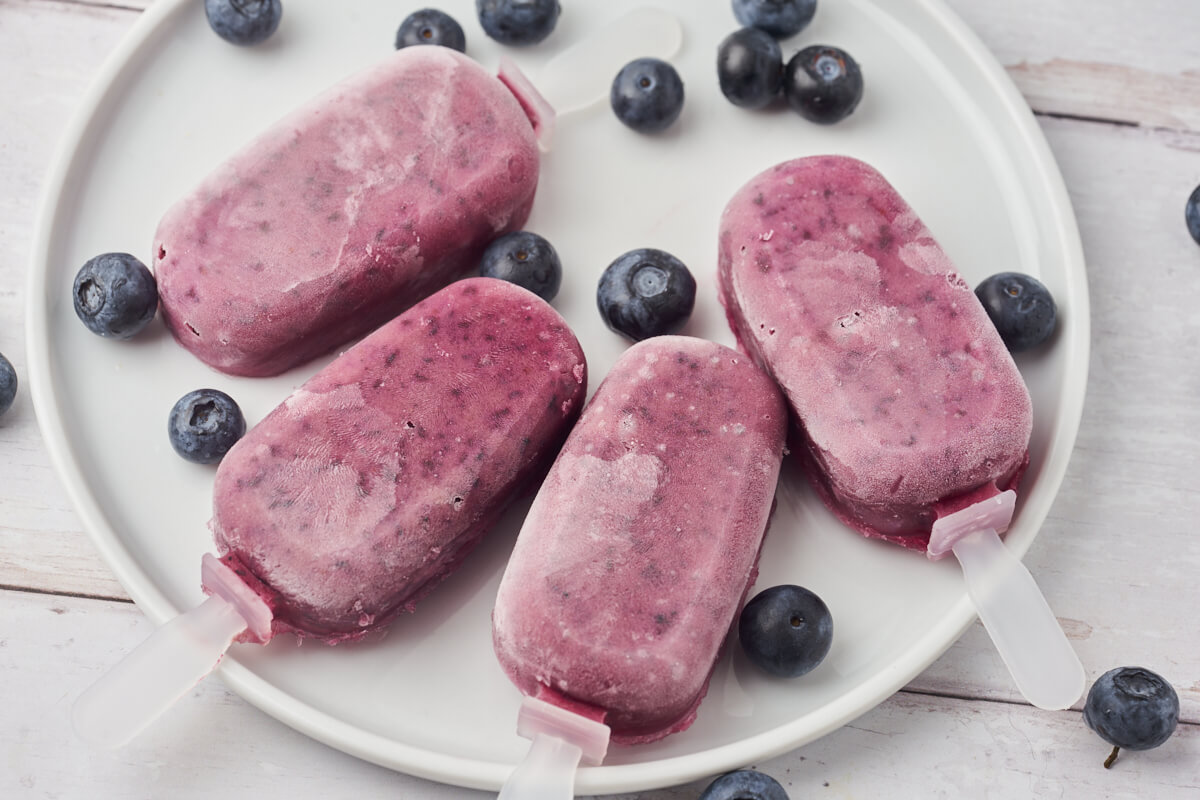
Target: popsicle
{"type": "Point", "coordinates": [641, 543]}
{"type": "Point", "coordinates": [371, 196]}
{"type": "Point", "coordinates": [355, 496]}
{"type": "Point", "coordinates": [913, 417]}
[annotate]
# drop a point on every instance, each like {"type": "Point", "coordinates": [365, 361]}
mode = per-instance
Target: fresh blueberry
{"type": "Point", "coordinates": [115, 295]}
{"type": "Point", "coordinates": [1131, 707]}
{"type": "Point", "coordinates": [745, 784]}
{"type": "Point", "coordinates": [243, 22]}
{"type": "Point", "coordinates": [646, 293]}
{"type": "Point", "coordinates": [526, 259]}
{"type": "Point", "coordinates": [430, 26]}
{"type": "Point", "coordinates": [786, 630]}
{"type": "Point", "coordinates": [1191, 213]}
{"type": "Point", "coordinates": [204, 424]}
{"type": "Point", "coordinates": [780, 18]}
{"type": "Point", "coordinates": [1021, 308]}
{"type": "Point", "coordinates": [8, 384]}
{"type": "Point", "coordinates": [823, 84]}
{"type": "Point", "coordinates": [518, 22]}
{"type": "Point", "coordinates": [647, 95]}
{"type": "Point", "coordinates": [750, 68]}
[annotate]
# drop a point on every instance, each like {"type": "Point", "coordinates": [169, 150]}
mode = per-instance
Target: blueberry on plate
{"type": "Point", "coordinates": [786, 630]}
{"type": "Point", "coordinates": [744, 784]}
{"type": "Point", "coordinates": [1191, 213]}
{"type": "Point", "coordinates": [115, 295]}
{"type": "Point", "coordinates": [646, 293]}
{"type": "Point", "coordinates": [647, 95]}
{"type": "Point", "coordinates": [518, 22]}
{"type": "Point", "coordinates": [823, 84]}
{"type": "Point", "coordinates": [526, 259]}
{"type": "Point", "coordinates": [431, 26]}
{"type": "Point", "coordinates": [1020, 307]}
{"type": "Point", "coordinates": [243, 22]}
{"type": "Point", "coordinates": [780, 18]}
{"type": "Point", "coordinates": [8, 384]}
{"type": "Point", "coordinates": [1131, 707]}
{"type": "Point", "coordinates": [750, 68]}
{"type": "Point", "coordinates": [204, 424]}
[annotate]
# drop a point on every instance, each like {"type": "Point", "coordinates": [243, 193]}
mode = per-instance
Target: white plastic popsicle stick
{"type": "Point", "coordinates": [561, 740]}
{"type": "Point", "coordinates": [177, 656]}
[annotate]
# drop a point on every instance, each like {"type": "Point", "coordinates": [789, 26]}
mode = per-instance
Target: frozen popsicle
{"type": "Point", "coordinates": [345, 212]}
{"type": "Point", "coordinates": [350, 500]}
{"type": "Point", "coordinates": [643, 539]}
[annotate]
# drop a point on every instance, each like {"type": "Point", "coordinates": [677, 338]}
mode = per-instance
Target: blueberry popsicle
{"type": "Point", "coordinates": [347, 211]}
{"type": "Point", "coordinates": [369, 484]}
{"type": "Point", "coordinates": [642, 541]}
{"type": "Point", "coordinates": [906, 398]}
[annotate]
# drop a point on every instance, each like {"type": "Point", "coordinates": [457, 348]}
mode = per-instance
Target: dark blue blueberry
{"type": "Point", "coordinates": [647, 95]}
{"type": "Point", "coordinates": [1021, 308]}
{"type": "Point", "coordinates": [8, 384]}
{"type": "Point", "coordinates": [243, 22]}
{"type": "Point", "coordinates": [1131, 707]}
{"type": "Point", "coordinates": [1191, 213]}
{"type": "Point", "coordinates": [204, 424]}
{"type": "Point", "coordinates": [786, 630]}
{"type": "Point", "coordinates": [526, 259]}
{"type": "Point", "coordinates": [518, 22]}
{"type": "Point", "coordinates": [745, 784]}
{"type": "Point", "coordinates": [430, 26]}
{"type": "Point", "coordinates": [115, 295]}
{"type": "Point", "coordinates": [750, 68]}
{"type": "Point", "coordinates": [823, 84]}
{"type": "Point", "coordinates": [646, 293]}
{"type": "Point", "coordinates": [780, 18]}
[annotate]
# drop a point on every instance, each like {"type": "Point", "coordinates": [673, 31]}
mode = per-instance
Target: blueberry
{"type": "Point", "coordinates": [8, 384]}
{"type": "Point", "coordinates": [745, 784]}
{"type": "Point", "coordinates": [115, 295]}
{"type": "Point", "coordinates": [780, 18]}
{"type": "Point", "coordinates": [243, 22]}
{"type": "Point", "coordinates": [647, 95]}
{"type": "Point", "coordinates": [750, 68]}
{"type": "Point", "coordinates": [430, 26]}
{"type": "Point", "coordinates": [1131, 707]}
{"type": "Point", "coordinates": [204, 424]}
{"type": "Point", "coordinates": [1020, 307]}
{"type": "Point", "coordinates": [1191, 213]}
{"type": "Point", "coordinates": [518, 22]}
{"type": "Point", "coordinates": [526, 259]}
{"type": "Point", "coordinates": [823, 84]}
{"type": "Point", "coordinates": [786, 630]}
{"type": "Point", "coordinates": [646, 293]}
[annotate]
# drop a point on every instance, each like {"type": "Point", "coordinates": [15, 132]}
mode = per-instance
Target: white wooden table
{"type": "Point", "coordinates": [1116, 86]}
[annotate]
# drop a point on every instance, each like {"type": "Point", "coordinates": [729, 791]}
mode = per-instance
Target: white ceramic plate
{"type": "Point", "coordinates": [939, 118]}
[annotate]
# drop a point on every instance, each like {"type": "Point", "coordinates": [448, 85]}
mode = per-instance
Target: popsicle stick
{"type": "Point", "coordinates": [561, 740]}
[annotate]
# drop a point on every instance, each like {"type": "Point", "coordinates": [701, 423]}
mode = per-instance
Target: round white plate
{"type": "Point", "coordinates": [939, 118]}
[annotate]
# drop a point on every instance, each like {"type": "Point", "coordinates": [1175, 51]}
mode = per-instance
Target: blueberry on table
{"type": "Point", "coordinates": [204, 424]}
{"type": "Point", "coordinates": [744, 784]}
{"type": "Point", "coordinates": [780, 18]}
{"type": "Point", "coordinates": [647, 95]}
{"type": "Point", "coordinates": [1131, 707]}
{"type": "Point", "coordinates": [1021, 308]}
{"type": "Point", "coordinates": [1191, 213]}
{"type": "Point", "coordinates": [431, 26]}
{"type": "Point", "coordinates": [518, 22]}
{"type": "Point", "coordinates": [115, 295]}
{"type": "Point", "coordinates": [526, 259]}
{"type": "Point", "coordinates": [786, 630]}
{"type": "Point", "coordinates": [243, 22]}
{"type": "Point", "coordinates": [750, 68]}
{"type": "Point", "coordinates": [823, 84]}
{"type": "Point", "coordinates": [8, 384]}
{"type": "Point", "coordinates": [646, 293]}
